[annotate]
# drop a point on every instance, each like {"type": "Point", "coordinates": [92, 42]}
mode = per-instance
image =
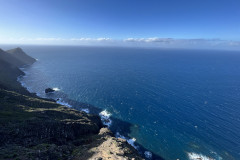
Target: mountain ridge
{"type": "Point", "coordinates": [19, 54]}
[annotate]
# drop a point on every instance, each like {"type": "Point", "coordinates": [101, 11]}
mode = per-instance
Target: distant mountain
{"type": "Point", "coordinates": [9, 58]}
{"type": "Point", "coordinates": [9, 71]}
{"type": "Point", "coordinates": [20, 55]}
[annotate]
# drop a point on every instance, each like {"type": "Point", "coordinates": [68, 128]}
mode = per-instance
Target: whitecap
{"type": "Point", "coordinates": [130, 141]}
{"type": "Point", "coordinates": [148, 154]}
{"type": "Point", "coordinates": [85, 110]}
{"type": "Point", "coordinates": [195, 156]}
{"type": "Point", "coordinates": [60, 101]}
{"type": "Point", "coordinates": [56, 89]}
{"type": "Point", "coordinates": [105, 117]}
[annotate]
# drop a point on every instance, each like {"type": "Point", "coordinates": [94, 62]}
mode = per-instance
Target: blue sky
{"type": "Point", "coordinates": [33, 21]}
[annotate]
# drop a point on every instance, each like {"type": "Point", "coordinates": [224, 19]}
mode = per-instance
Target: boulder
{"type": "Point", "coordinates": [49, 90]}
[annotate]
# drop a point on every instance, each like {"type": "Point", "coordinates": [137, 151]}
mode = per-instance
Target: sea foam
{"type": "Point", "coordinates": [148, 154]}
{"type": "Point", "coordinates": [105, 117]}
{"type": "Point", "coordinates": [85, 110]}
{"type": "Point", "coordinates": [56, 89]}
{"type": "Point", "coordinates": [195, 156]}
{"type": "Point", "coordinates": [60, 101]}
{"type": "Point", "coordinates": [131, 141]}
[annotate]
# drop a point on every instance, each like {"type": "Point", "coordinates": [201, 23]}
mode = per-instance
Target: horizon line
{"type": "Point", "coordinates": [152, 42]}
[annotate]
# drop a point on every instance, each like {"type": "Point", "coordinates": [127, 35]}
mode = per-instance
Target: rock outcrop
{"type": "Point", "coordinates": [105, 146]}
{"type": "Point", "coordinates": [49, 90]}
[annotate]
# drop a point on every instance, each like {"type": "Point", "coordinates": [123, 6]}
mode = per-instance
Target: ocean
{"type": "Point", "coordinates": [168, 103]}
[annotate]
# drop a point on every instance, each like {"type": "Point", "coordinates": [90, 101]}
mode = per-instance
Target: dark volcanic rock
{"type": "Point", "coordinates": [49, 90]}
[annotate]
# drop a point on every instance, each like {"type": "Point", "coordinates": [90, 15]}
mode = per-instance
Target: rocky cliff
{"type": "Point", "coordinates": [37, 128]}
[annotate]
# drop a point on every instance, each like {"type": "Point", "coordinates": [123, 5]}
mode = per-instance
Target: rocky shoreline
{"type": "Point", "coordinates": [36, 128]}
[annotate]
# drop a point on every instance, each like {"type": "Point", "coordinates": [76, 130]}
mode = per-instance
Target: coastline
{"type": "Point", "coordinates": [35, 83]}
{"type": "Point", "coordinates": [32, 122]}
{"type": "Point", "coordinates": [104, 115]}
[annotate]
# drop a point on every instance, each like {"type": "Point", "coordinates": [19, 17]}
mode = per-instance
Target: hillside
{"type": "Point", "coordinates": [4, 56]}
{"type": "Point", "coordinates": [9, 72]}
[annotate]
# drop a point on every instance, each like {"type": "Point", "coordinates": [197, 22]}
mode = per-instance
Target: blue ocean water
{"type": "Point", "coordinates": [177, 104]}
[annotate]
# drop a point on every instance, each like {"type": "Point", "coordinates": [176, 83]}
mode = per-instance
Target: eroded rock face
{"type": "Point", "coordinates": [35, 132]}
{"type": "Point", "coordinates": [47, 122]}
{"type": "Point", "coordinates": [29, 123]}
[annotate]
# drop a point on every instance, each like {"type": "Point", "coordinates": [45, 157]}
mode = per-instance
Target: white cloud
{"type": "Point", "coordinates": [48, 39]}
{"type": "Point", "coordinates": [154, 39]}
{"type": "Point", "coordinates": [104, 39]}
{"type": "Point", "coordinates": [134, 42]}
{"type": "Point", "coordinates": [90, 39]}
{"type": "Point", "coordinates": [234, 43]}
{"type": "Point", "coordinates": [184, 43]}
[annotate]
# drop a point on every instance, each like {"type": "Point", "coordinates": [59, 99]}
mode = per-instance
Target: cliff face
{"type": "Point", "coordinates": [37, 128]}
{"type": "Point", "coordinates": [29, 122]}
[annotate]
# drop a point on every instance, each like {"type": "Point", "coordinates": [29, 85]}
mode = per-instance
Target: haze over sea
{"type": "Point", "coordinates": [179, 102]}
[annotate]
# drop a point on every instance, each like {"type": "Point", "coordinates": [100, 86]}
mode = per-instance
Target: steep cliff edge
{"type": "Point", "coordinates": [37, 128]}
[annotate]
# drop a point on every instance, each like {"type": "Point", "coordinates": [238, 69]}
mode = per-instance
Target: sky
{"type": "Point", "coordinates": [121, 22]}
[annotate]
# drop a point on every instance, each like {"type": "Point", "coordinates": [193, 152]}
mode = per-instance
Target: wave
{"type": "Point", "coordinates": [19, 79]}
{"type": "Point", "coordinates": [60, 101]}
{"type": "Point", "coordinates": [85, 110]}
{"type": "Point", "coordinates": [148, 154]}
{"type": "Point", "coordinates": [56, 89]}
{"type": "Point", "coordinates": [105, 117]}
{"type": "Point", "coordinates": [131, 141]}
{"type": "Point", "coordinates": [195, 156]}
